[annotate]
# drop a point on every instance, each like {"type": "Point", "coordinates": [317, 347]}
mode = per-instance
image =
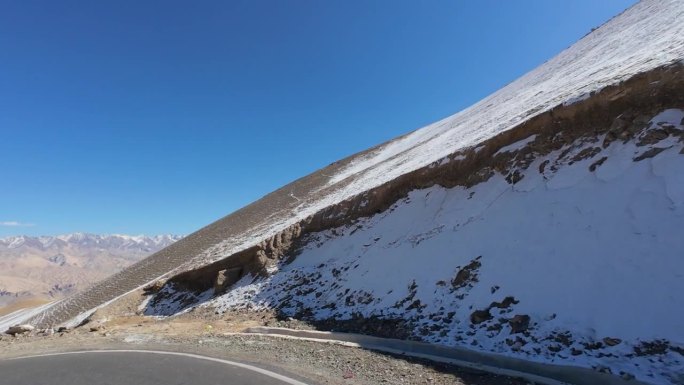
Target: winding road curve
{"type": "Point", "coordinates": [139, 367]}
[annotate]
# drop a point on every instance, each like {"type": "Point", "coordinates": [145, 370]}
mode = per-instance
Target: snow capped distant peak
{"type": "Point", "coordinates": [15, 242]}
{"type": "Point", "coordinates": [117, 241]}
{"type": "Point", "coordinates": [72, 237]}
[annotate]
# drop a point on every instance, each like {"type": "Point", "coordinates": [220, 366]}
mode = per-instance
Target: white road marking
{"type": "Point", "coordinates": [265, 372]}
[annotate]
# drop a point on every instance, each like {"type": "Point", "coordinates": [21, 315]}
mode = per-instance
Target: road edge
{"type": "Point", "coordinates": [489, 362]}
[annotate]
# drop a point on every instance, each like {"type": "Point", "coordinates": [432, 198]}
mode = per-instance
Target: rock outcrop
{"type": "Point", "coordinates": [19, 329]}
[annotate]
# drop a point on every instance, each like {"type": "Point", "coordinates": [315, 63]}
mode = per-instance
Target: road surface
{"type": "Point", "coordinates": [131, 367]}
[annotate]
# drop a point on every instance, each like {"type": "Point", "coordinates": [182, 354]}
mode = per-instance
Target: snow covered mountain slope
{"type": "Point", "coordinates": [646, 36]}
{"type": "Point", "coordinates": [608, 85]}
{"type": "Point", "coordinates": [577, 259]}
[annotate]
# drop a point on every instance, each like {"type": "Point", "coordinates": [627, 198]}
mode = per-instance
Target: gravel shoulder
{"type": "Point", "coordinates": [311, 362]}
{"type": "Point", "coordinates": [201, 331]}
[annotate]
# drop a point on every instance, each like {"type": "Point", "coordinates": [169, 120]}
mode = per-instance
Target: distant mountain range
{"type": "Point", "coordinates": [43, 268]}
{"type": "Point", "coordinates": [85, 240]}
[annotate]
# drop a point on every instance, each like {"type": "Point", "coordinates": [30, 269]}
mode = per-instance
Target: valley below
{"type": "Point", "coordinates": [38, 270]}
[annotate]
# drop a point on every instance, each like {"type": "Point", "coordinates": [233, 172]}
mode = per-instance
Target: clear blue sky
{"type": "Point", "coordinates": [162, 116]}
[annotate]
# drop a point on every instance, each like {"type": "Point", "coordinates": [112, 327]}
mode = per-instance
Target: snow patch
{"type": "Point", "coordinates": [517, 145]}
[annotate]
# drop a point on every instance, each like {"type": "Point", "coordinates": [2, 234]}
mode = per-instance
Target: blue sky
{"type": "Point", "coordinates": [162, 116]}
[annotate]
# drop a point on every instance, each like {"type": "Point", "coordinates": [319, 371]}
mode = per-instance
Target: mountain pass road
{"type": "Point", "coordinates": [133, 367]}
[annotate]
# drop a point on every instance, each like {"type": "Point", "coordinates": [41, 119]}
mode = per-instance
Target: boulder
{"type": "Point", "coordinates": [225, 278]}
{"type": "Point", "coordinates": [97, 328]}
{"type": "Point", "coordinates": [479, 316]}
{"type": "Point", "coordinates": [611, 341]}
{"type": "Point", "coordinates": [154, 287]}
{"type": "Point", "coordinates": [519, 323]}
{"type": "Point", "coordinates": [19, 329]}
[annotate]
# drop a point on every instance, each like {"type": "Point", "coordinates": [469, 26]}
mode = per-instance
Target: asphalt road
{"type": "Point", "coordinates": [133, 368]}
